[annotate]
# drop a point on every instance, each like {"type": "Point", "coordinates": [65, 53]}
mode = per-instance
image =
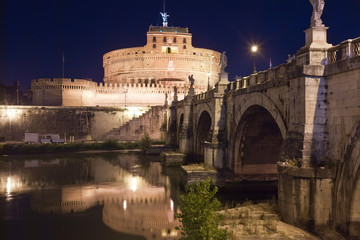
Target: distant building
{"type": "Point", "coordinates": [139, 76]}
{"type": "Point", "coordinates": [13, 95]}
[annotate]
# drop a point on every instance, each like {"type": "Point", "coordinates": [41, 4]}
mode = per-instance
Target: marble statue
{"type": "Point", "coordinates": [192, 80]}
{"type": "Point", "coordinates": [318, 7]}
{"type": "Point", "coordinates": [223, 61]}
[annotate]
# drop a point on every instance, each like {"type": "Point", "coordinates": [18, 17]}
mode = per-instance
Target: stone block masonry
{"type": "Point", "coordinates": [84, 123]}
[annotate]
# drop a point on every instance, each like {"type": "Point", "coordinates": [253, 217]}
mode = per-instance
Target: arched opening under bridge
{"type": "Point", "coordinates": [257, 144]}
{"type": "Point", "coordinates": [202, 135]}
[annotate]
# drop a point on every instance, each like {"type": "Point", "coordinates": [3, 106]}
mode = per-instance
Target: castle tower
{"type": "Point", "coordinates": [168, 58]}
{"type": "Point", "coordinates": [139, 76]}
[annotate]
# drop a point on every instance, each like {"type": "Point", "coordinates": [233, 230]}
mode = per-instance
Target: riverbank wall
{"type": "Point", "coordinates": [83, 123]}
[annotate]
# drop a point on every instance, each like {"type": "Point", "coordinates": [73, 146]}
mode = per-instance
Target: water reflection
{"type": "Point", "coordinates": [135, 198]}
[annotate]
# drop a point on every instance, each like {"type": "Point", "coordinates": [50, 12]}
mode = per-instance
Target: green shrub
{"type": "Point", "coordinates": [145, 143]}
{"type": "Point", "coordinates": [110, 145]}
{"type": "Point", "coordinates": [198, 217]}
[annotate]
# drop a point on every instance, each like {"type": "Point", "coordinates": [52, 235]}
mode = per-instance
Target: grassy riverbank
{"type": "Point", "coordinates": [22, 148]}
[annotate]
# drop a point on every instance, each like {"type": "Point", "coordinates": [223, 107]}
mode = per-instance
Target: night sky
{"type": "Point", "coordinates": [35, 33]}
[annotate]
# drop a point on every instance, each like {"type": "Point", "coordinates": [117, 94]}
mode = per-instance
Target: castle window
{"type": "Point", "coordinates": [184, 40]}
{"type": "Point", "coordinates": [194, 53]}
{"type": "Point", "coordinates": [168, 50]}
{"type": "Point", "coordinates": [143, 52]}
{"type": "Point", "coordinates": [154, 45]}
{"type": "Point", "coordinates": [184, 47]}
{"type": "Point", "coordinates": [174, 39]}
{"type": "Point", "coordinates": [154, 39]}
{"type": "Point", "coordinates": [164, 40]}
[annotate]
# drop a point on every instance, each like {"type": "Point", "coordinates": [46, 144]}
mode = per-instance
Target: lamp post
{"type": "Point", "coordinates": [254, 49]}
{"type": "Point", "coordinates": [208, 87]}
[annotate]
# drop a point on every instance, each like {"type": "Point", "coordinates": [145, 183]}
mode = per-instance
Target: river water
{"type": "Point", "coordinates": [92, 196]}
{"type": "Point", "coordinates": [87, 196]}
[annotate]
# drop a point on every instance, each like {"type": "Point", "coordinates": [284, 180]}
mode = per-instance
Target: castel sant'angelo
{"type": "Point", "coordinates": [139, 76]}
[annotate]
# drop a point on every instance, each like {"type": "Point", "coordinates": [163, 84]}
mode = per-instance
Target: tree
{"type": "Point", "coordinates": [3, 97]}
{"type": "Point", "coordinates": [198, 217]}
{"type": "Point", "coordinates": [145, 143]}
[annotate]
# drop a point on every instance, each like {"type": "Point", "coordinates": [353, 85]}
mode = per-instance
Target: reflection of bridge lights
{"type": "Point", "coordinates": [124, 204]}
{"type": "Point", "coordinates": [171, 205]}
{"type": "Point", "coordinates": [133, 185]}
{"type": "Point", "coordinates": [8, 185]}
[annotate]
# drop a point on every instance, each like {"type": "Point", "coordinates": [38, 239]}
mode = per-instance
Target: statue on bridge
{"type": "Point", "coordinates": [191, 80]}
{"type": "Point", "coordinates": [223, 61]}
{"type": "Point", "coordinates": [318, 7]}
{"type": "Point", "coordinates": [191, 89]}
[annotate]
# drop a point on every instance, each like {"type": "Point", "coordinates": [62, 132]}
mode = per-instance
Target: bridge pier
{"type": "Point", "coordinates": [306, 194]}
{"type": "Point", "coordinates": [186, 136]}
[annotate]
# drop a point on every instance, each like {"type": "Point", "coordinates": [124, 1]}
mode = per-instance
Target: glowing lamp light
{"type": "Point", "coordinates": [171, 205]}
{"type": "Point", "coordinates": [124, 204]}
{"type": "Point", "coordinates": [8, 185]}
{"type": "Point", "coordinates": [11, 113]}
{"type": "Point", "coordinates": [133, 184]}
{"type": "Point", "coordinates": [254, 48]}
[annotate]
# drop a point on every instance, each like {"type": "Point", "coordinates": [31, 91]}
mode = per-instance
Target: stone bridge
{"type": "Point", "coordinates": [298, 123]}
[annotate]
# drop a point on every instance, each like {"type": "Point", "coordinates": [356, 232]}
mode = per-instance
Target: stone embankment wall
{"type": "Point", "coordinates": [150, 122]}
{"type": "Point", "coordinates": [84, 123]}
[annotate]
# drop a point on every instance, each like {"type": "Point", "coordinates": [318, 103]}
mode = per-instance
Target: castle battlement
{"type": "Point", "coordinates": [62, 82]}
{"type": "Point", "coordinates": [150, 86]}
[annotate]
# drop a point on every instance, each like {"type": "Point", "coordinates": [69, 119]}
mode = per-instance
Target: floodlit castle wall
{"type": "Point", "coordinates": [167, 56]}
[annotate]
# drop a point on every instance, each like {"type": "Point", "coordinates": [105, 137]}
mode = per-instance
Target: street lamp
{"type": "Point", "coordinates": [208, 88]}
{"type": "Point", "coordinates": [254, 49]}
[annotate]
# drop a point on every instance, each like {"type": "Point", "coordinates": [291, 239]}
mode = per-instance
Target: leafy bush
{"type": "Point", "coordinates": [198, 216]}
{"type": "Point", "coordinates": [145, 143]}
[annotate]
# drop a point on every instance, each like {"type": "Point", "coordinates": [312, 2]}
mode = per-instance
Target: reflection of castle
{"type": "Point", "coordinates": [139, 76]}
{"type": "Point", "coordinates": [134, 204]}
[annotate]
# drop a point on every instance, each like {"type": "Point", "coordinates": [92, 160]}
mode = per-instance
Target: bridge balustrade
{"type": "Point", "coordinates": [347, 49]}
{"type": "Point", "coordinates": [356, 47]}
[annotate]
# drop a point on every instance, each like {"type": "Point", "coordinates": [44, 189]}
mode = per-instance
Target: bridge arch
{"type": "Point", "coordinates": [263, 101]}
{"type": "Point", "coordinates": [257, 143]}
{"type": "Point", "coordinates": [347, 187]}
{"type": "Point", "coordinates": [203, 108]}
{"type": "Point", "coordinates": [203, 128]}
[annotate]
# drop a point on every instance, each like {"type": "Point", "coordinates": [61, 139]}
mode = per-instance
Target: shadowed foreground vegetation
{"type": "Point", "coordinates": [8, 149]}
